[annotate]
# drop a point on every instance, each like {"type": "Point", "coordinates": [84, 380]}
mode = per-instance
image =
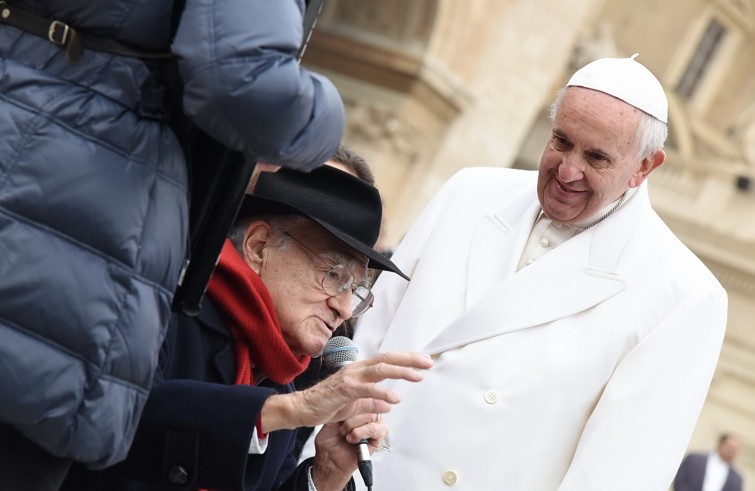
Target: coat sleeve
{"type": "Point", "coordinates": [244, 86]}
{"type": "Point", "coordinates": [641, 425]}
{"type": "Point", "coordinates": [682, 480]}
{"type": "Point", "coordinates": [299, 480]}
{"type": "Point", "coordinates": [203, 428]}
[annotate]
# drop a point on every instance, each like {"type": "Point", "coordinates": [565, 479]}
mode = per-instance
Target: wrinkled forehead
{"type": "Point", "coordinates": [331, 247]}
{"type": "Point", "coordinates": [598, 101]}
{"type": "Point", "coordinates": [342, 254]}
{"type": "Point", "coordinates": [605, 116]}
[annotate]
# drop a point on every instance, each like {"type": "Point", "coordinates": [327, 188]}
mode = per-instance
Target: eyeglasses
{"type": "Point", "coordinates": [337, 279]}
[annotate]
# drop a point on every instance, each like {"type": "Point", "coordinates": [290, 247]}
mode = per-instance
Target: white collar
{"type": "Point", "coordinates": [603, 213]}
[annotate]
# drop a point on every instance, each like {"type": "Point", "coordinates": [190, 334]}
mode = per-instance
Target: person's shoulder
{"type": "Point", "coordinates": [209, 319]}
{"type": "Point", "coordinates": [696, 457]}
{"type": "Point", "coordinates": [498, 173]}
{"type": "Point", "coordinates": [677, 258]}
{"type": "Point", "coordinates": [492, 178]}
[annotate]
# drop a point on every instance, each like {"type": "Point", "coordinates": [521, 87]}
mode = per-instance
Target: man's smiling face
{"type": "Point", "coordinates": [590, 158]}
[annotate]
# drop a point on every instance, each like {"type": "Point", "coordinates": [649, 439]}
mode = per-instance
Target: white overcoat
{"type": "Point", "coordinates": [584, 371]}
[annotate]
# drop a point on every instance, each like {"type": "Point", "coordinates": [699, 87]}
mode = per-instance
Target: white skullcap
{"type": "Point", "coordinates": [627, 80]}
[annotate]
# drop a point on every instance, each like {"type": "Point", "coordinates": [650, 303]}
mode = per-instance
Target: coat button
{"type": "Point", "coordinates": [449, 477]}
{"type": "Point", "coordinates": [544, 243]}
{"type": "Point", "coordinates": [178, 475]}
{"type": "Point", "coordinates": [491, 396]}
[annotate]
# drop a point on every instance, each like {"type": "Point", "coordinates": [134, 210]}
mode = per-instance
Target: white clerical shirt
{"type": "Point", "coordinates": [547, 234]}
{"type": "Point", "coordinates": [716, 472]}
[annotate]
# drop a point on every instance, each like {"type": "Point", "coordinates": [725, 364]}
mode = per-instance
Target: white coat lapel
{"type": "Point", "coordinates": [497, 244]}
{"type": "Point", "coordinates": [575, 276]}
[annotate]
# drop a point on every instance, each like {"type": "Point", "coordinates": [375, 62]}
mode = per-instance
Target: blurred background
{"type": "Point", "coordinates": [432, 86]}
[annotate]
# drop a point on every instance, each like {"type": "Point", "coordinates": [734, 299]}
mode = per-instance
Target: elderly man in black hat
{"type": "Point", "coordinates": [222, 409]}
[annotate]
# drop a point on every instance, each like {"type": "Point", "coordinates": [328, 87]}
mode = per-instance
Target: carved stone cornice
{"type": "Point", "coordinates": [728, 252]}
{"type": "Point", "coordinates": [383, 127]}
{"type": "Point", "coordinates": [740, 11]}
{"type": "Point", "coordinates": [389, 68]}
{"type": "Point", "coordinates": [732, 278]}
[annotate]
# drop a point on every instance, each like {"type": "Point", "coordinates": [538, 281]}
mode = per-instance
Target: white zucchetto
{"type": "Point", "coordinates": [625, 79]}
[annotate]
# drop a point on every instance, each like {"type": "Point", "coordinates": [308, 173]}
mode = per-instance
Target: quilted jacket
{"type": "Point", "coordinates": [94, 200]}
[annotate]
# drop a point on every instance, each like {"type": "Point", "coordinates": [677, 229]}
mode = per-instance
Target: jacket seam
{"type": "Point", "coordinates": [102, 143]}
{"type": "Point", "coordinates": [26, 132]}
{"type": "Point", "coordinates": [108, 258]}
{"type": "Point", "coordinates": [63, 349]}
{"type": "Point", "coordinates": [122, 302]}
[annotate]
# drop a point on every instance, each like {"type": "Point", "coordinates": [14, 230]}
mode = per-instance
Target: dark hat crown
{"type": "Point", "coordinates": [345, 205]}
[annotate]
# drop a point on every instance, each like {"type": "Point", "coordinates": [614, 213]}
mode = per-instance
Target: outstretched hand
{"type": "Point", "coordinates": [353, 390]}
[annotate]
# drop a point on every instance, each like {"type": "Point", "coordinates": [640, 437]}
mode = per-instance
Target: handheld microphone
{"type": "Point", "coordinates": [340, 351]}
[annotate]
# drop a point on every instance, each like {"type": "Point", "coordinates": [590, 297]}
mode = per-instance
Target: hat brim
{"type": "Point", "coordinates": [255, 205]}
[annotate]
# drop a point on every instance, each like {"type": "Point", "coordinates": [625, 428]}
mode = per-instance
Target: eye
{"type": "Point", "coordinates": [337, 278]}
{"type": "Point", "coordinates": [334, 275]}
{"type": "Point", "coordinates": [560, 142]}
{"type": "Point", "coordinates": [598, 159]}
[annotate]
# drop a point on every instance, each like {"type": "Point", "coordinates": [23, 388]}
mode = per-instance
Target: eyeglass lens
{"type": "Point", "coordinates": [338, 279]}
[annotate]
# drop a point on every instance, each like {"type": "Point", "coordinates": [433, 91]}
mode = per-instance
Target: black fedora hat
{"type": "Point", "coordinates": [346, 206]}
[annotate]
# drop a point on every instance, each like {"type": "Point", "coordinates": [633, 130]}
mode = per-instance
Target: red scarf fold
{"type": "Point", "coordinates": [248, 308]}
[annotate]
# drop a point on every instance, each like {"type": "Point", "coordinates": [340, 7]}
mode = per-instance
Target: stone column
{"type": "Point", "coordinates": [509, 57]}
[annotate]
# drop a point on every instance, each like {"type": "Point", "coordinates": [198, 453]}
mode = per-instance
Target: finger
{"type": "Point", "coordinates": [408, 359]}
{"type": "Point", "coordinates": [374, 432]}
{"type": "Point", "coordinates": [363, 406]}
{"type": "Point", "coordinates": [374, 371]}
{"type": "Point", "coordinates": [265, 167]}
{"type": "Point", "coordinates": [356, 382]}
{"type": "Point", "coordinates": [349, 424]}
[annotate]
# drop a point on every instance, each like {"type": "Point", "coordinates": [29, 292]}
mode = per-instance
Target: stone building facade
{"type": "Point", "coordinates": [432, 86]}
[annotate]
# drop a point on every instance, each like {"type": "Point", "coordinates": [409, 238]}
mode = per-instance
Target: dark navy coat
{"type": "Point", "coordinates": [197, 424]}
{"type": "Point", "coordinates": [93, 195]}
{"type": "Point", "coordinates": [691, 475]}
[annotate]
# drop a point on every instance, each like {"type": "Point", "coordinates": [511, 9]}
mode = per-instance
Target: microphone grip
{"type": "Point", "coordinates": [340, 351]}
{"type": "Point", "coordinates": [365, 463]}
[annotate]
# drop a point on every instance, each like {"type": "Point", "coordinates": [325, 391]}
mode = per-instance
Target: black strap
{"type": "Point", "coordinates": [219, 178]}
{"type": "Point", "coordinates": [62, 34]}
{"type": "Point", "coordinates": [175, 17]}
{"type": "Point", "coordinates": [314, 7]}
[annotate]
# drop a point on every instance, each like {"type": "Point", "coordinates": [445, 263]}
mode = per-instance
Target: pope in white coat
{"type": "Point", "coordinates": [574, 336]}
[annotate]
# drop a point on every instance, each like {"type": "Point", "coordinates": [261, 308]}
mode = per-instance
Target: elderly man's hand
{"type": "Point", "coordinates": [353, 390]}
{"type": "Point", "coordinates": [335, 453]}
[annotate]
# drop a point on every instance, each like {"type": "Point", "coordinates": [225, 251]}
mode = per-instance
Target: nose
{"type": "Point", "coordinates": [341, 304]}
{"type": "Point", "coordinates": [570, 169]}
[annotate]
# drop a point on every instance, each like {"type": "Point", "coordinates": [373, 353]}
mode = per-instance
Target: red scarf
{"type": "Point", "coordinates": [257, 338]}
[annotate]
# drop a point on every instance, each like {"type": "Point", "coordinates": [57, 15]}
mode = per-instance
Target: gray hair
{"type": "Point", "coordinates": [290, 222]}
{"type": "Point", "coordinates": [651, 132]}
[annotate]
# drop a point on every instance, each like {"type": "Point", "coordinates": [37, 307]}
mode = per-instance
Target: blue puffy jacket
{"type": "Point", "coordinates": [93, 196]}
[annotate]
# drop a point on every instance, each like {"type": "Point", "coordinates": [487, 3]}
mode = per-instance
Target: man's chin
{"type": "Point", "coordinates": [559, 216]}
{"type": "Point", "coordinates": [317, 350]}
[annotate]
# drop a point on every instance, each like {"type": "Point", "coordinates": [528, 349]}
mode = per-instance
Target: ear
{"type": "Point", "coordinates": [648, 165]}
{"type": "Point", "coordinates": [256, 237]}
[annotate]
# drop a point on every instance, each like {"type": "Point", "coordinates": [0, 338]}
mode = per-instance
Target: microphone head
{"type": "Point", "coordinates": [339, 351]}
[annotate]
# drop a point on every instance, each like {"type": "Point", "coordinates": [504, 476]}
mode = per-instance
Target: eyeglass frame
{"type": "Point", "coordinates": [357, 307]}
